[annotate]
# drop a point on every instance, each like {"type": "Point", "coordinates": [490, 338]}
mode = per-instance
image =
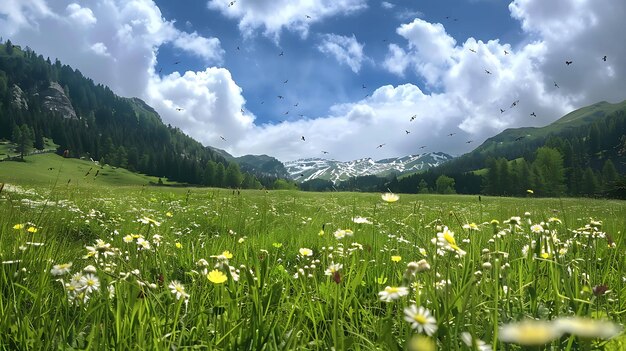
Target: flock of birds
{"type": "Point", "coordinates": [363, 86]}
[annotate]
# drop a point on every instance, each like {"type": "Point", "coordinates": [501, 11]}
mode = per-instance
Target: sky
{"type": "Point", "coordinates": [339, 79]}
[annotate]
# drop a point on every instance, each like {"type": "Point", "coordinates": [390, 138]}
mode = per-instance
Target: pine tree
{"type": "Point", "coordinates": [550, 172]}
{"type": "Point", "coordinates": [233, 176]}
{"type": "Point", "coordinates": [609, 175]}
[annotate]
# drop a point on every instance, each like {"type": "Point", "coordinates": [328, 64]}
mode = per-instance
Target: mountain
{"type": "Point", "coordinates": [259, 165]}
{"type": "Point", "coordinates": [42, 100]}
{"type": "Point", "coordinates": [317, 168]}
{"type": "Point", "coordinates": [603, 118]}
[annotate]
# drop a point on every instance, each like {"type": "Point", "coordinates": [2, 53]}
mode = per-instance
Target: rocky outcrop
{"type": "Point", "coordinates": [55, 100]}
{"type": "Point", "coordinates": [19, 97]}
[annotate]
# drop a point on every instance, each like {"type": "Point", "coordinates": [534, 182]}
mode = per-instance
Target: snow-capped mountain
{"type": "Point", "coordinates": [335, 171]}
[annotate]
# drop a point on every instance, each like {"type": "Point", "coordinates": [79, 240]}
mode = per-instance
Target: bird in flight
{"type": "Point", "coordinates": [237, 47]}
{"type": "Point", "coordinates": [324, 152]}
{"type": "Point", "coordinates": [423, 146]}
{"type": "Point", "coordinates": [179, 109]}
{"type": "Point", "coordinates": [287, 112]}
{"type": "Point", "coordinates": [286, 80]}
{"type": "Point", "coordinates": [533, 114]}
{"type": "Point", "coordinates": [242, 111]}
{"type": "Point", "coordinates": [556, 85]}
{"type": "Point", "coordinates": [514, 103]}
{"type": "Point", "coordinates": [221, 137]}
{"type": "Point", "coordinates": [231, 3]}
{"type": "Point", "coordinates": [413, 118]}
{"type": "Point", "coordinates": [302, 137]}
{"type": "Point", "coordinates": [604, 58]}
{"type": "Point", "coordinates": [280, 96]}
{"type": "Point", "coordinates": [161, 69]}
{"type": "Point", "coordinates": [451, 134]}
{"type": "Point", "coordinates": [282, 53]}
{"type": "Point", "coordinates": [488, 72]}
{"type": "Point", "coordinates": [364, 87]}
{"type": "Point", "coordinates": [296, 104]}
{"type": "Point", "coordinates": [177, 62]}
{"type": "Point", "coordinates": [472, 50]}
{"type": "Point", "coordinates": [379, 146]}
{"type": "Point", "coordinates": [307, 16]}
{"type": "Point", "coordinates": [568, 62]}
{"type": "Point", "coordinates": [469, 141]}
{"type": "Point", "coordinates": [301, 115]}
{"type": "Point", "coordinates": [506, 52]}
{"type": "Point", "coordinates": [502, 111]}
{"type": "Point", "coordinates": [406, 131]}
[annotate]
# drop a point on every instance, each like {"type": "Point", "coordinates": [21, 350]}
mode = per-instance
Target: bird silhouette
{"type": "Point", "coordinates": [533, 114]}
{"type": "Point", "coordinates": [286, 80]}
{"type": "Point", "coordinates": [296, 104]}
{"type": "Point", "coordinates": [406, 131]}
{"type": "Point", "coordinates": [364, 87]}
{"type": "Point", "coordinates": [177, 62]}
{"type": "Point", "coordinates": [221, 137]}
{"type": "Point", "coordinates": [469, 141]}
{"type": "Point", "coordinates": [568, 62]}
{"type": "Point", "coordinates": [367, 95]}
{"type": "Point", "coordinates": [604, 58]}
{"type": "Point", "coordinates": [280, 96]}
{"type": "Point", "coordinates": [380, 145]}
{"type": "Point", "coordinates": [262, 102]}
{"type": "Point", "coordinates": [324, 152]}
{"type": "Point", "coordinates": [472, 50]}
{"type": "Point", "coordinates": [514, 103]}
{"type": "Point", "coordinates": [303, 138]}
{"type": "Point", "coordinates": [179, 109]}
{"type": "Point", "coordinates": [506, 52]}
{"type": "Point", "coordinates": [161, 69]}
{"type": "Point", "coordinates": [287, 112]}
{"type": "Point", "coordinates": [423, 147]}
{"type": "Point", "coordinates": [451, 134]}
{"type": "Point", "coordinates": [502, 111]}
{"type": "Point", "coordinates": [556, 85]}
{"type": "Point", "coordinates": [486, 71]}
{"type": "Point", "coordinates": [301, 115]}
{"type": "Point", "coordinates": [231, 3]}
{"type": "Point", "coordinates": [282, 53]}
{"type": "Point", "coordinates": [242, 111]}
{"type": "Point", "coordinates": [307, 16]}
{"type": "Point", "coordinates": [413, 118]}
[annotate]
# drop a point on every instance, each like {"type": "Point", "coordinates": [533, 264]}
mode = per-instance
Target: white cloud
{"type": "Point", "coordinates": [387, 5]}
{"type": "Point", "coordinates": [346, 50]}
{"type": "Point", "coordinates": [82, 15]}
{"type": "Point", "coordinates": [207, 48]}
{"type": "Point", "coordinates": [274, 16]}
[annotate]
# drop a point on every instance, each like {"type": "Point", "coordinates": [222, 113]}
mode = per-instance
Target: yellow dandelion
{"type": "Point", "coordinates": [321, 232]}
{"type": "Point", "coordinates": [390, 197]}
{"type": "Point", "coordinates": [32, 229]}
{"type": "Point", "coordinates": [216, 277]}
{"type": "Point", "coordinates": [227, 254]}
{"type": "Point", "coordinates": [18, 226]}
{"type": "Point", "coordinates": [396, 258]}
{"type": "Point", "coordinates": [178, 245]}
{"type": "Point", "coordinates": [530, 333]}
{"type": "Point", "coordinates": [169, 214]}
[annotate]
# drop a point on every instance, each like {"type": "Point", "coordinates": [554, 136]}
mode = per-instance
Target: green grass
{"type": "Point", "coordinates": [268, 307]}
{"type": "Point", "coordinates": [51, 169]}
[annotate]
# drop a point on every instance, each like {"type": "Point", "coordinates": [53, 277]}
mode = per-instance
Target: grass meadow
{"type": "Point", "coordinates": [99, 262]}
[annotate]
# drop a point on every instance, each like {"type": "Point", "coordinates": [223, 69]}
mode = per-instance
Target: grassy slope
{"type": "Point", "coordinates": [48, 169]}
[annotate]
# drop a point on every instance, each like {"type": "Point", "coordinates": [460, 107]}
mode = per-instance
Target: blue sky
{"type": "Point", "coordinates": [413, 57]}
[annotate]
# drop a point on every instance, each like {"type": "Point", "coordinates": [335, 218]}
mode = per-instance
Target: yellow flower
{"type": "Point", "coordinates": [530, 332]}
{"type": "Point", "coordinates": [179, 245]}
{"type": "Point", "coordinates": [321, 232]}
{"type": "Point", "coordinates": [227, 254]}
{"type": "Point", "coordinates": [306, 252]}
{"type": "Point", "coordinates": [32, 230]}
{"type": "Point", "coordinates": [169, 214]}
{"type": "Point", "coordinates": [396, 258]}
{"type": "Point", "coordinates": [18, 226]}
{"type": "Point", "coordinates": [421, 343]}
{"type": "Point", "coordinates": [390, 197]}
{"type": "Point", "coordinates": [216, 277]}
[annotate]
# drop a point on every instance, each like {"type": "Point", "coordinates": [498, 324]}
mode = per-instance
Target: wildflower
{"type": "Point", "coordinates": [390, 197]}
{"type": "Point", "coordinates": [515, 220]}
{"type": "Point", "coordinates": [100, 248]}
{"type": "Point", "coordinates": [61, 269]}
{"type": "Point", "coordinates": [227, 254]}
{"type": "Point", "coordinates": [588, 328]}
{"type": "Point", "coordinates": [216, 277]}
{"type": "Point", "coordinates": [393, 293]}
{"type": "Point", "coordinates": [470, 226]}
{"type": "Point", "coordinates": [421, 343]}
{"type": "Point", "coordinates": [18, 226]}
{"type": "Point", "coordinates": [361, 220]}
{"type": "Point", "coordinates": [143, 244]}
{"type": "Point", "coordinates": [396, 258]}
{"type": "Point", "coordinates": [89, 283]}
{"type": "Point", "coordinates": [128, 238]}
{"type": "Point", "coordinates": [333, 268]}
{"type": "Point", "coordinates": [32, 229]}
{"type": "Point", "coordinates": [178, 289]}
{"type": "Point", "coordinates": [89, 269]}
{"type": "Point", "coordinates": [241, 240]}
{"type": "Point", "coordinates": [474, 343]}
{"type": "Point", "coordinates": [277, 245]}
{"type": "Point", "coordinates": [554, 220]}
{"type": "Point", "coordinates": [321, 232]}
{"type": "Point", "coordinates": [536, 228]}
{"type": "Point", "coordinates": [494, 222]}
{"type": "Point", "coordinates": [306, 252]}
{"type": "Point", "coordinates": [342, 233]}
{"type": "Point", "coordinates": [169, 214]}
{"type": "Point", "coordinates": [445, 239]}
{"type": "Point", "coordinates": [530, 332]}
{"type": "Point", "coordinates": [149, 221]}
{"type": "Point", "coordinates": [178, 245]}
{"type": "Point", "coordinates": [420, 319]}
{"type": "Point", "coordinates": [487, 265]}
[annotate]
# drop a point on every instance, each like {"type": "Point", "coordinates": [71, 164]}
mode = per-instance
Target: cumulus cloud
{"type": "Point", "coordinates": [274, 16]}
{"type": "Point", "coordinates": [387, 5]}
{"type": "Point", "coordinates": [346, 50]}
{"type": "Point", "coordinates": [207, 48]}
